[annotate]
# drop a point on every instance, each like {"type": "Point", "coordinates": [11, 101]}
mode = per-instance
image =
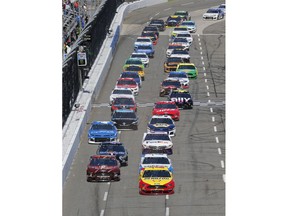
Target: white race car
{"type": "Point", "coordinates": [187, 36]}
{"type": "Point", "coordinates": [142, 56]}
{"type": "Point", "coordinates": [155, 160]}
{"type": "Point", "coordinates": [191, 25]}
{"type": "Point", "coordinates": [180, 29]}
{"type": "Point", "coordinates": [182, 54]}
{"type": "Point", "coordinates": [157, 141]}
{"type": "Point", "coordinates": [213, 14]}
{"type": "Point", "coordinates": [121, 92]}
{"type": "Point", "coordinates": [183, 41]}
{"type": "Point", "coordinates": [143, 41]}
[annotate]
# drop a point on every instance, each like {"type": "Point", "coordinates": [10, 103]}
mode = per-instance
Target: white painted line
{"type": "Point", "coordinates": [200, 48]}
{"type": "Point", "coordinates": [217, 140]}
{"type": "Point", "coordinates": [215, 128]}
{"type": "Point", "coordinates": [102, 213]}
{"type": "Point", "coordinates": [211, 109]}
{"type": "Point", "coordinates": [108, 183]}
{"type": "Point", "coordinates": [157, 14]}
{"type": "Point", "coordinates": [219, 151]}
{"type": "Point", "coordinates": [201, 57]}
{"type": "Point", "coordinates": [205, 80]}
{"type": "Point", "coordinates": [105, 196]}
{"type": "Point", "coordinates": [207, 87]}
{"type": "Point", "coordinates": [167, 9]}
{"type": "Point", "coordinates": [200, 43]}
{"type": "Point", "coordinates": [222, 163]}
{"type": "Point", "coordinates": [198, 35]}
{"type": "Point", "coordinates": [224, 178]}
{"type": "Point", "coordinates": [203, 62]}
{"type": "Point", "coordinates": [213, 118]}
{"type": "Point", "coordinates": [151, 18]}
{"type": "Point", "coordinates": [204, 68]}
{"type": "Point", "coordinates": [187, 3]}
{"type": "Point", "coordinates": [167, 211]}
{"type": "Point", "coordinates": [209, 101]}
{"type": "Point", "coordinates": [198, 39]}
{"type": "Point", "coordinates": [201, 53]}
{"type": "Point", "coordinates": [204, 74]}
{"type": "Point", "coordinates": [167, 197]}
{"type": "Point", "coordinates": [208, 94]}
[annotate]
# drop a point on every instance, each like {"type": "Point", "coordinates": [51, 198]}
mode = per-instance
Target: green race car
{"type": "Point", "coordinates": [189, 68]}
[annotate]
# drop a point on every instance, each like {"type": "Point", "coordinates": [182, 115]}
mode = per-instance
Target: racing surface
{"type": "Point", "coordinates": [199, 145]}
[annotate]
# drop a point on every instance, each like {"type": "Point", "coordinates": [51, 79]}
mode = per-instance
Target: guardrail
{"type": "Point", "coordinates": [75, 124]}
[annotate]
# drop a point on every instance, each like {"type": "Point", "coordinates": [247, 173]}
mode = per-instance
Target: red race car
{"type": "Point", "coordinates": [123, 103]}
{"type": "Point", "coordinates": [128, 83]}
{"type": "Point", "coordinates": [167, 108]}
{"type": "Point", "coordinates": [103, 168]}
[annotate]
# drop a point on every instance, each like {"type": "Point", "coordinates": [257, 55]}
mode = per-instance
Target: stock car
{"type": "Point", "coordinates": [162, 123]}
{"type": "Point", "coordinates": [172, 46]}
{"type": "Point", "coordinates": [213, 14]}
{"type": "Point", "coordinates": [103, 168]}
{"type": "Point", "coordinates": [187, 35]}
{"type": "Point", "coordinates": [156, 181]}
{"type": "Point", "coordinates": [223, 8]}
{"type": "Point", "coordinates": [128, 83]}
{"type": "Point", "coordinates": [159, 23]}
{"type": "Point", "coordinates": [182, 54]}
{"type": "Point", "coordinates": [152, 35]}
{"type": "Point", "coordinates": [179, 30]}
{"type": "Point", "coordinates": [167, 85]}
{"type": "Point", "coordinates": [101, 131]}
{"type": "Point", "coordinates": [166, 108]}
{"type": "Point", "coordinates": [116, 149]}
{"type": "Point", "coordinates": [181, 76]}
{"type": "Point", "coordinates": [148, 49]}
{"type": "Point", "coordinates": [155, 160]}
{"type": "Point", "coordinates": [171, 64]}
{"type": "Point", "coordinates": [191, 26]}
{"type": "Point", "coordinates": [143, 41]}
{"type": "Point", "coordinates": [183, 14]}
{"type": "Point", "coordinates": [173, 21]}
{"type": "Point", "coordinates": [182, 98]}
{"type": "Point", "coordinates": [188, 68]}
{"type": "Point", "coordinates": [133, 61]}
{"type": "Point", "coordinates": [125, 119]}
{"type": "Point", "coordinates": [158, 140]}
{"type": "Point", "coordinates": [142, 56]}
{"type": "Point", "coordinates": [132, 74]}
{"type": "Point", "coordinates": [137, 69]}
{"type": "Point", "coordinates": [120, 92]}
{"type": "Point", "coordinates": [123, 103]}
{"type": "Point", "coordinates": [183, 41]}
{"type": "Point", "coordinates": [152, 29]}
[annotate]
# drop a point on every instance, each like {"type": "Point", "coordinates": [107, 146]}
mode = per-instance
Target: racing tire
{"type": "Point", "coordinates": [89, 179]}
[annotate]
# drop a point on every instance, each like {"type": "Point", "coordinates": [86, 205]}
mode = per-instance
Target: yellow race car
{"type": "Point", "coordinates": [156, 181]}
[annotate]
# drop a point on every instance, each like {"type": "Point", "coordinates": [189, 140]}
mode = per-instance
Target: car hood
{"type": "Point", "coordinates": [156, 180]}
{"type": "Point", "coordinates": [102, 132]}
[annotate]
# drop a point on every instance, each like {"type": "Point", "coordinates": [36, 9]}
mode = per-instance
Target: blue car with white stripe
{"type": "Point", "coordinates": [145, 48]}
{"type": "Point", "coordinates": [162, 123]}
{"type": "Point", "coordinates": [101, 131]}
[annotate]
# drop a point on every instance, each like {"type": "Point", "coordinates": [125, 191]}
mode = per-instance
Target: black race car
{"type": "Point", "coordinates": [153, 29]}
{"type": "Point", "coordinates": [182, 98]}
{"type": "Point", "coordinates": [173, 21]}
{"type": "Point", "coordinates": [114, 148]}
{"type": "Point", "coordinates": [125, 118]}
{"type": "Point", "coordinates": [159, 23]}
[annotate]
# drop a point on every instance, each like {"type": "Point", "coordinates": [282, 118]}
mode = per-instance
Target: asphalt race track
{"type": "Point", "coordinates": [199, 145]}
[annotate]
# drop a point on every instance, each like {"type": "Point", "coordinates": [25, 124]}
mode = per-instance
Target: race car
{"type": "Point", "coordinates": [142, 56]}
{"type": "Point", "coordinates": [191, 26]}
{"type": "Point", "coordinates": [125, 119]}
{"type": "Point", "coordinates": [128, 83]}
{"type": "Point", "coordinates": [182, 54]}
{"type": "Point", "coordinates": [143, 41]}
{"type": "Point", "coordinates": [156, 181]}
{"type": "Point", "coordinates": [182, 98]}
{"type": "Point", "coordinates": [101, 131]}
{"type": "Point", "coordinates": [166, 108]}
{"type": "Point", "coordinates": [123, 103]}
{"type": "Point", "coordinates": [159, 23]}
{"type": "Point", "coordinates": [155, 160]}
{"type": "Point", "coordinates": [173, 21]}
{"type": "Point", "coordinates": [213, 14]}
{"type": "Point", "coordinates": [171, 64]}
{"type": "Point", "coordinates": [172, 46]}
{"type": "Point", "coordinates": [223, 8]}
{"type": "Point", "coordinates": [157, 140]}
{"type": "Point", "coordinates": [120, 92]}
{"type": "Point", "coordinates": [181, 76]}
{"type": "Point", "coordinates": [188, 68]}
{"type": "Point", "coordinates": [183, 14]}
{"type": "Point", "coordinates": [103, 168]}
{"type": "Point", "coordinates": [179, 30]}
{"type": "Point", "coordinates": [114, 148]}
{"type": "Point", "coordinates": [183, 41]}
{"type": "Point", "coordinates": [148, 49]}
{"type": "Point", "coordinates": [133, 61]}
{"type": "Point", "coordinates": [152, 35]}
{"type": "Point", "coordinates": [132, 74]}
{"type": "Point", "coordinates": [152, 29]}
{"type": "Point", "coordinates": [137, 69]}
{"type": "Point", "coordinates": [167, 85]}
{"type": "Point", "coordinates": [162, 123]}
{"type": "Point", "coordinates": [187, 35]}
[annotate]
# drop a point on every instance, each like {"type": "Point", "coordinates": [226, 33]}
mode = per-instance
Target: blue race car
{"type": "Point", "coordinates": [101, 131]}
{"type": "Point", "coordinates": [148, 49]}
{"type": "Point", "coordinates": [162, 123]}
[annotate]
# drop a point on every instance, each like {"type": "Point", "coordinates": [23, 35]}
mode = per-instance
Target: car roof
{"type": "Point", "coordinates": [124, 111]}
{"type": "Point", "coordinates": [155, 155]}
{"type": "Point", "coordinates": [102, 122]}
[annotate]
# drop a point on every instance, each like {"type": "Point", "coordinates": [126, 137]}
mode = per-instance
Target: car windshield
{"type": "Point", "coordinates": [122, 91]}
{"type": "Point", "coordinates": [180, 29]}
{"type": "Point", "coordinates": [148, 34]}
{"type": "Point", "coordinates": [177, 51]}
{"type": "Point", "coordinates": [161, 121]}
{"type": "Point", "coordinates": [128, 101]}
{"type": "Point", "coordinates": [180, 13]}
{"type": "Point", "coordinates": [143, 40]}
{"type": "Point", "coordinates": [175, 19]}
{"type": "Point", "coordinates": [188, 23]}
{"type": "Point", "coordinates": [156, 173]}
{"type": "Point", "coordinates": [174, 60]}
{"type": "Point", "coordinates": [103, 161]}
{"type": "Point", "coordinates": [180, 40]}
{"type": "Point", "coordinates": [157, 137]}
{"type": "Point", "coordinates": [157, 22]}
{"type": "Point", "coordinates": [129, 75]}
{"type": "Point", "coordinates": [150, 28]}
{"type": "Point", "coordinates": [183, 35]}
{"type": "Point", "coordinates": [138, 56]}
{"type": "Point", "coordinates": [124, 115]}
{"type": "Point", "coordinates": [102, 127]}
{"type": "Point", "coordinates": [222, 6]}
{"type": "Point", "coordinates": [212, 11]}
{"type": "Point", "coordinates": [133, 68]}
{"type": "Point", "coordinates": [180, 67]}
{"type": "Point", "coordinates": [170, 82]}
{"type": "Point", "coordinates": [175, 47]}
{"type": "Point", "coordinates": [144, 47]}
{"type": "Point", "coordinates": [111, 148]}
{"type": "Point", "coordinates": [134, 61]}
{"type": "Point", "coordinates": [181, 75]}
{"type": "Point", "coordinates": [155, 160]}
{"type": "Point", "coordinates": [165, 106]}
{"type": "Point", "coordinates": [127, 82]}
